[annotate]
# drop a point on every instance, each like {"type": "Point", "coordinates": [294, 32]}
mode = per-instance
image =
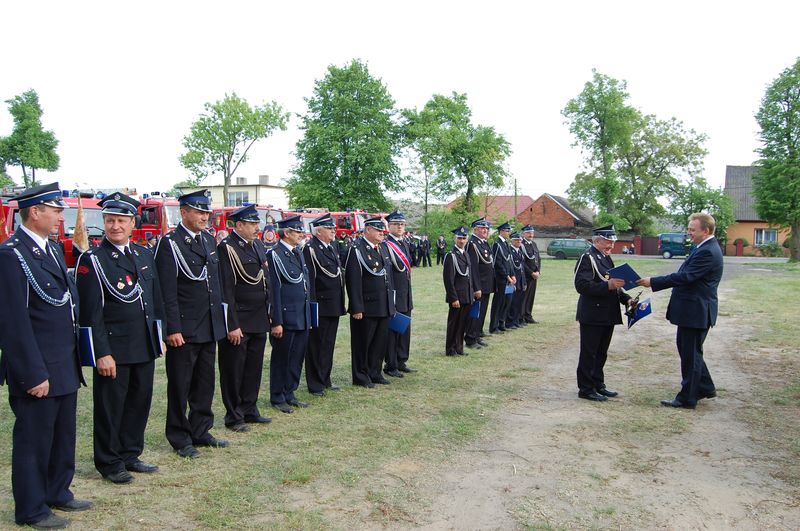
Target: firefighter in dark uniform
{"type": "Point", "coordinates": [370, 293]}
{"type": "Point", "coordinates": [291, 314]}
{"type": "Point", "coordinates": [533, 267]}
{"type": "Point", "coordinates": [598, 312]}
{"type": "Point", "coordinates": [243, 274]}
{"type": "Point", "coordinates": [461, 288]}
{"type": "Point", "coordinates": [40, 362]}
{"type": "Point", "coordinates": [518, 297]}
{"type": "Point", "coordinates": [122, 304]}
{"type": "Point", "coordinates": [188, 271]}
{"type": "Point", "coordinates": [326, 280]}
{"type": "Point", "coordinates": [503, 276]}
{"type": "Point", "coordinates": [482, 263]}
{"type": "Point", "coordinates": [399, 345]}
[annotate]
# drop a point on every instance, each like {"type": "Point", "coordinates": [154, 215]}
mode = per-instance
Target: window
{"type": "Point", "coordinates": [237, 198]}
{"type": "Point", "coordinates": [764, 236]}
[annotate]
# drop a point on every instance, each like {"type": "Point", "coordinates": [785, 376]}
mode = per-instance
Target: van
{"type": "Point", "coordinates": [567, 248]}
{"type": "Point", "coordinates": [673, 244]}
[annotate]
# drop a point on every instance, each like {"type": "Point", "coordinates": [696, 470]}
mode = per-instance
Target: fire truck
{"type": "Point", "coordinates": [157, 215]}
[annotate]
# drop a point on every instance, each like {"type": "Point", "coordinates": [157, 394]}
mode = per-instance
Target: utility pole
{"type": "Point", "coordinates": [515, 199]}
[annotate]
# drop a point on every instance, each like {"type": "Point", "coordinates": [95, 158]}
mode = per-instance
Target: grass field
{"type": "Point", "coordinates": [337, 449]}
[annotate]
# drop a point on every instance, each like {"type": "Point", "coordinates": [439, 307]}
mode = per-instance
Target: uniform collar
{"type": "Point", "coordinates": [283, 242]}
{"type": "Point", "coordinates": [41, 242]}
{"type": "Point", "coordinates": [121, 248]}
{"type": "Point", "coordinates": [192, 234]}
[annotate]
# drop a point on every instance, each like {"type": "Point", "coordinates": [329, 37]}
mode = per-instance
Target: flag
{"type": "Point", "coordinates": [640, 311]}
{"type": "Point", "coordinates": [80, 238]}
{"type": "Point", "coordinates": [3, 232]}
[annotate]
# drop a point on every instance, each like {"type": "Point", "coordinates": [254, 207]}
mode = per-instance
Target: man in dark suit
{"type": "Point", "coordinates": [370, 293]}
{"type": "Point", "coordinates": [425, 251]}
{"type": "Point", "coordinates": [290, 314]}
{"type": "Point", "coordinates": [461, 288]}
{"type": "Point", "coordinates": [243, 273]}
{"type": "Point", "coordinates": [188, 271]}
{"type": "Point", "coordinates": [122, 305]}
{"type": "Point", "coordinates": [482, 264]}
{"type": "Point", "coordinates": [515, 309]}
{"type": "Point", "coordinates": [321, 254]}
{"type": "Point", "coordinates": [503, 276]}
{"type": "Point", "coordinates": [533, 263]}
{"type": "Point", "coordinates": [441, 249]}
{"type": "Point", "coordinates": [598, 312]}
{"type": "Point", "coordinates": [399, 345]}
{"type": "Point", "coordinates": [40, 362]}
{"type": "Point", "coordinates": [693, 309]}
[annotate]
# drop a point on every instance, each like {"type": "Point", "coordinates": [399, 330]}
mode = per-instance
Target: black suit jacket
{"type": "Point", "coordinates": [127, 331]}
{"type": "Point", "coordinates": [192, 307]}
{"type": "Point", "coordinates": [370, 291]}
{"type": "Point", "coordinates": [482, 262]}
{"type": "Point", "coordinates": [325, 277]}
{"type": "Point", "coordinates": [289, 289]}
{"type": "Point", "coordinates": [503, 263]}
{"type": "Point", "coordinates": [597, 305]}
{"type": "Point", "coordinates": [459, 284]}
{"type": "Point", "coordinates": [693, 302]}
{"type": "Point", "coordinates": [247, 303]}
{"type": "Point", "coordinates": [531, 258]}
{"type": "Point", "coordinates": [401, 276]}
{"type": "Point", "coordinates": [37, 339]}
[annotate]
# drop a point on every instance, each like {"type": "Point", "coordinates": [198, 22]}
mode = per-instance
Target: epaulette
{"type": "Point", "coordinates": [10, 243]}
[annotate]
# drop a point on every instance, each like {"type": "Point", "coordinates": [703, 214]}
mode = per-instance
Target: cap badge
{"type": "Point", "coordinates": [116, 197]}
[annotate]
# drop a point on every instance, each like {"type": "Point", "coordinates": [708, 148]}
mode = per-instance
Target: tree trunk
{"type": "Point", "coordinates": [425, 211]}
{"type": "Point", "coordinates": [794, 250]}
{"type": "Point", "coordinates": [225, 186]}
{"type": "Point", "coordinates": [468, 197]}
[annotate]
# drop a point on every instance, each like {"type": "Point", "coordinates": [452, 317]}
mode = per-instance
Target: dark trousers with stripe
{"type": "Point", "coordinates": [530, 295]}
{"type": "Point", "coordinates": [190, 383]}
{"type": "Point", "coordinates": [595, 340]}
{"type": "Point", "coordinates": [240, 368]}
{"type": "Point", "coordinates": [319, 354]}
{"type": "Point", "coordinates": [398, 348]}
{"type": "Point", "coordinates": [368, 341]}
{"type": "Point", "coordinates": [475, 326]}
{"type": "Point", "coordinates": [286, 364]}
{"type": "Point", "coordinates": [457, 322]}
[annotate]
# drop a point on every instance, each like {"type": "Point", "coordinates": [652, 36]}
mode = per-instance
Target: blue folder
{"type": "Point", "coordinates": [475, 309]}
{"type": "Point", "coordinates": [399, 323]}
{"type": "Point", "coordinates": [86, 347]}
{"type": "Point", "coordinates": [643, 309]}
{"type": "Point", "coordinates": [314, 314]}
{"type": "Point", "coordinates": [626, 273]}
{"type": "Point", "coordinates": [509, 289]}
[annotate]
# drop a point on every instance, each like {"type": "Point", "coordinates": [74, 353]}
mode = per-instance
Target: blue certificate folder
{"type": "Point", "coordinates": [509, 289]}
{"type": "Point", "coordinates": [86, 346]}
{"type": "Point", "coordinates": [475, 309]}
{"type": "Point", "coordinates": [399, 323]}
{"type": "Point", "coordinates": [643, 309]}
{"type": "Point", "coordinates": [314, 314]}
{"type": "Point", "coordinates": [626, 273]}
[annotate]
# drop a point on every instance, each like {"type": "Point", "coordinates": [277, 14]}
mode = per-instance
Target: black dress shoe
{"type": "Point", "coordinates": [485, 335]}
{"type": "Point", "coordinates": [141, 467]}
{"type": "Point", "coordinates": [474, 345]}
{"type": "Point", "coordinates": [213, 442]}
{"type": "Point", "coordinates": [501, 329]}
{"type": "Point", "coordinates": [529, 320]}
{"type": "Point", "coordinates": [260, 419]}
{"type": "Point", "coordinates": [712, 394]}
{"type": "Point", "coordinates": [239, 428]}
{"type": "Point", "coordinates": [74, 505]}
{"type": "Point", "coordinates": [395, 373]}
{"type": "Point", "coordinates": [462, 353]}
{"type": "Point", "coordinates": [483, 343]}
{"type": "Point", "coordinates": [381, 381]}
{"type": "Point", "coordinates": [317, 393]}
{"type": "Point", "coordinates": [607, 392]}
{"type": "Point", "coordinates": [283, 407]}
{"type": "Point", "coordinates": [334, 387]}
{"type": "Point", "coordinates": [296, 403]}
{"type": "Point", "coordinates": [189, 452]}
{"type": "Point", "coordinates": [405, 368]}
{"type": "Point", "coordinates": [120, 478]}
{"type": "Point", "coordinates": [50, 522]}
{"type": "Point", "coordinates": [676, 403]}
{"type": "Point", "coordinates": [592, 396]}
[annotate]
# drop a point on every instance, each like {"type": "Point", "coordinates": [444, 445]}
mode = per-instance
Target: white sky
{"type": "Point", "coordinates": [121, 83]}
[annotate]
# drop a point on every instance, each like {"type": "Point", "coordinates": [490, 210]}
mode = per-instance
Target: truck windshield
{"type": "Point", "coordinates": [173, 213]}
{"type": "Point", "coordinates": [92, 218]}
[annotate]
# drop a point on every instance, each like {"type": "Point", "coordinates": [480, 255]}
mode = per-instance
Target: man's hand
{"type": "Point", "coordinates": [277, 331]}
{"type": "Point", "coordinates": [455, 304]}
{"type": "Point", "coordinates": [615, 283]}
{"type": "Point", "coordinates": [535, 275]}
{"type": "Point", "coordinates": [512, 280]}
{"type": "Point", "coordinates": [644, 282]}
{"type": "Point", "coordinates": [358, 316]}
{"type": "Point", "coordinates": [41, 390]}
{"type": "Point", "coordinates": [175, 340]}
{"type": "Point", "coordinates": [235, 336]}
{"type": "Point", "coordinates": [478, 294]}
{"type": "Point", "coordinates": [106, 366]}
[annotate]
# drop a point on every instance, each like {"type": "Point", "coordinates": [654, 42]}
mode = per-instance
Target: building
{"type": "Point", "coordinates": [240, 192]}
{"type": "Point", "coordinates": [748, 231]}
{"type": "Point", "coordinates": [555, 215]}
{"type": "Point", "coordinates": [498, 208]}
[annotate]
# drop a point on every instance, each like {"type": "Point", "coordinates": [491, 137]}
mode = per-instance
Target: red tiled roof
{"type": "Point", "coordinates": [499, 206]}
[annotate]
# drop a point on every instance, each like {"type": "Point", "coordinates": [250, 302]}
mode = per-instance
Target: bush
{"type": "Point", "coordinates": [743, 241]}
{"type": "Point", "coordinates": [772, 249]}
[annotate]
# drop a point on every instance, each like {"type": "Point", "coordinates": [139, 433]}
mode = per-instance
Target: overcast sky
{"type": "Point", "coordinates": [120, 83]}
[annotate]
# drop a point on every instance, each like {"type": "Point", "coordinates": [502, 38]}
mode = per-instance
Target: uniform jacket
{"type": "Point", "coordinates": [597, 305]}
{"type": "Point", "coordinates": [401, 276]}
{"type": "Point", "coordinates": [37, 339]}
{"type": "Point", "coordinates": [482, 262]}
{"type": "Point", "coordinates": [531, 258]}
{"type": "Point", "coordinates": [192, 307]}
{"type": "Point", "coordinates": [503, 263]}
{"type": "Point", "coordinates": [247, 299]}
{"type": "Point", "coordinates": [127, 331]}
{"type": "Point", "coordinates": [459, 283]}
{"type": "Point", "coordinates": [370, 289]}
{"type": "Point", "coordinates": [693, 302]}
{"type": "Point", "coordinates": [519, 267]}
{"type": "Point", "coordinates": [289, 288]}
{"type": "Point", "coordinates": [325, 277]}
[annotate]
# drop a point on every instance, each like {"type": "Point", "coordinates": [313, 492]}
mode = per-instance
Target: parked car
{"type": "Point", "coordinates": [673, 244]}
{"type": "Point", "coordinates": [567, 248]}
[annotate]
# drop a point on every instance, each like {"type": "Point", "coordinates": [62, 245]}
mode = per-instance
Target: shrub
{"type": "Point", "coordinates": [771, 249]}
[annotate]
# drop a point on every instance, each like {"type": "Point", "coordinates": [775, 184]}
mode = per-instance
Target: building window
{"type": "Point", "coordinates": [237, 198]}
{"type": "Point", "coordinates": [764, 236]}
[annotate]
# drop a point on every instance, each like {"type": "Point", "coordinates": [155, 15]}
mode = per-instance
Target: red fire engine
{"type": "Point", "coordinates": [157, 216]}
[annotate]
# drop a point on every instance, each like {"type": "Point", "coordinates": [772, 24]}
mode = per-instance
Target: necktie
{"type": "Point", "coordinates": [53, 257]}
{"type": "Point", "coordinates": [129, 256]}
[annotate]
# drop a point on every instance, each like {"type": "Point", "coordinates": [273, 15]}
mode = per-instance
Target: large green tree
{"type": "Point", "coordinates": [776, 183]}
{"type": "Point", "coordinates": [697, 196]}
{"type": "Point", "coordinates": [346, 158]}
{"type": "Point", "coordinates": [5, 179]}
{"type": "Point", "coordinates": [220, 139]}
{"type": "Point", "coordinates": [29, 146]}
{"type": "Point", "coordinates": [463, 157]}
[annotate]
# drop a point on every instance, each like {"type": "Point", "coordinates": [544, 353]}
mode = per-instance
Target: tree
{"type": "Point", "coordinates": [346, 158]}
{"type": "Point", "coordinates": [29, 146]}
{"type": "Point", "coordinates": [220, 139]}
{"type": "Point", "coordinates": [697, 196]}
{"type": "Point", "coordinates": [464, 157]}
{"type": "Point", "coordinates": [5, 179]}
{"type": "Point", "coordinates": [776, 182]}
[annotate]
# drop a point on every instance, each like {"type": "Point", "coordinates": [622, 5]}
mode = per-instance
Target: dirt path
{"type": "Point", "coordinates": [560, 462]}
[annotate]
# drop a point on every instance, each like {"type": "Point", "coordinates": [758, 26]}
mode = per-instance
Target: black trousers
{"type": "Point", "coordinates": [286, 364]}
{"type": "Point", "coordinates": [426, 257]}
{"type": "Point", "coordinates": [515, 309]}
{"type": "Point", "coordinates": [695, 378]}
{"type": "Point", "coordinates": [42, 455]}
{"type": "Point", "coordinates": [398, 348]}
{"type": "Point", "coordinates": [368, 340]}
{"type": "Point", "coordinates": [457, 321]}
{"type": "Point", "coordinates": [121, 408]}
{"type": "Point", "coordinates": [240, 368]}
{"type": "Point", "coordinates": [501, 304]}
{"type": "Point", "coordinates": [190, 382]}
{"type": "Point", "coordinates": [475, 326]}
{"type": "Point", "coordinates": [319, 354]}
{"type": "Point", "coordinates": [595, 340]}
{"type": "Point", "coordinates": [530, 295]}
{"type": "Point", "coordinates": [439, 258]}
